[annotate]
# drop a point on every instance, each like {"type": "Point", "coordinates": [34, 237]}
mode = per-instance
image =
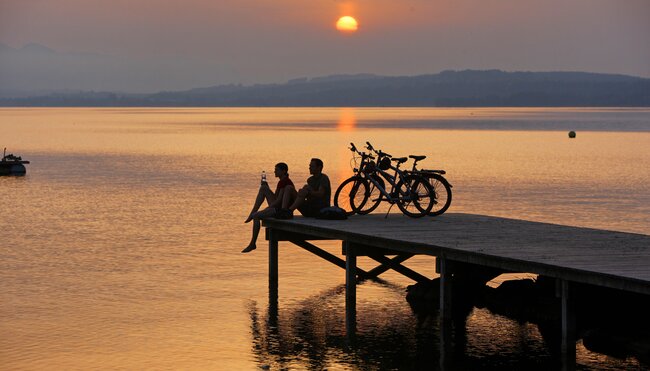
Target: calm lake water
{"type": "Point", "coordinates": [121, 246]}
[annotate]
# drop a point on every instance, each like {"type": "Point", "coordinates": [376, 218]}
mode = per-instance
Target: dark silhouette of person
{"type": "Point", "coordinates": [282, 198]}
{"type": "Point", "coordinates": [313, 196]}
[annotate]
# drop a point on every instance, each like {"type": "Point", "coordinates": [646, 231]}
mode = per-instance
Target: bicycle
{"type": "Point", "coordinates": [411, 193]}
{"type": "Point", "coordinates": [440, 185]}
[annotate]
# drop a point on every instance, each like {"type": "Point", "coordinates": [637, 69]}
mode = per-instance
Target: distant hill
{"type": "Point", "coordinates": [469, 88]}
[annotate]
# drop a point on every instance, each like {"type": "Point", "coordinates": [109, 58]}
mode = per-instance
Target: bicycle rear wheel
{"type": "Point", "coordinates": [441, 193]}
{"type": "Point", "coordinates": [374, 196]}
{"type": "Point", "coordinates": [351, 195]}
{"type": "Point", "coordinates": [415, 199]}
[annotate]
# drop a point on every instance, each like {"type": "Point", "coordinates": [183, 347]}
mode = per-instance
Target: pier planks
{"type": "Point", "coordinates": [605, 258]}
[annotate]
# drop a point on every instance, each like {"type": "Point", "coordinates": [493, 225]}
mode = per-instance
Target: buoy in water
{"type": "Point", "coordinates": [572, 134]}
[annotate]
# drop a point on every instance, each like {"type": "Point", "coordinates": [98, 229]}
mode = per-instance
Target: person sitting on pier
{"type": "Point", "coordinates": [284, 195]}
{"type": "Point", "coordinates": [314, 196]}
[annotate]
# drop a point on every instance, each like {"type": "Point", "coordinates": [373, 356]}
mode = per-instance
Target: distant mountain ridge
{"type": "Point", "coordinates": [468, 88]}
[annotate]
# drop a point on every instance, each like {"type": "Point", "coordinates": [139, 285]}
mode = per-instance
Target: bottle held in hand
{"type": "Point", "coordinates": [263, 178]}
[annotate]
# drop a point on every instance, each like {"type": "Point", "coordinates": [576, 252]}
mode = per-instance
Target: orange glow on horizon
{"type": "Point", "coordinates": [347, 24]}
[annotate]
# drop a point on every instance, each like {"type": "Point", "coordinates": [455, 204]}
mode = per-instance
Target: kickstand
{"type": "Point", "coordinates": [391, 206]}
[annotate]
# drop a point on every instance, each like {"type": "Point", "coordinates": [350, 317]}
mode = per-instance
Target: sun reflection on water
{"type": "Point", "coordinates": [347, 120]}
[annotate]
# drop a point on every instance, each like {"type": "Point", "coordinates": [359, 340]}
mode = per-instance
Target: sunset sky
{"type": "Point", "coordinates": [173, 44]}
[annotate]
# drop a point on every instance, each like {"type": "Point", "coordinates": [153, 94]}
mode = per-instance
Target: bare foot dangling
{"type": "Point", "coordinates": [249, 248]}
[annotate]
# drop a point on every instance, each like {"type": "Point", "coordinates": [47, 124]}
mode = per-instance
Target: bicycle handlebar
{"type": "Point", "coordinates": [353, 148]}
{"type": "Point", "coordinates": [379, 153]}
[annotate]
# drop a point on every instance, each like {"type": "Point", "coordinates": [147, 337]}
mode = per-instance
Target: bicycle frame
{"type": "Point", "coordinates": [391, 179]}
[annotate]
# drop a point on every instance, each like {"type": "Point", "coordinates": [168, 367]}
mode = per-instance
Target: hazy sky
{"type": "Point", "coordinates": [174, 44]}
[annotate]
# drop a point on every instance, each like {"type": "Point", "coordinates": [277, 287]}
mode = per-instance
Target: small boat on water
{"type": "Point", "coordinates": [12, 165]}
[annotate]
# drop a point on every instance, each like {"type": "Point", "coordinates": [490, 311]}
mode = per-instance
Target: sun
{"type": "Point", "coordinates": [347, 24]}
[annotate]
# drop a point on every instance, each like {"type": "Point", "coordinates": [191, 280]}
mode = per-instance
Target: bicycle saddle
{"type": "Point", "coordinates": [417, 158]}
{"type": "Point", "coordinates": [399, 160]}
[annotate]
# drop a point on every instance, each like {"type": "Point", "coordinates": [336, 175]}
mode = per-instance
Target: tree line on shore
{"type": "Point", "coordinates": [469, 88]}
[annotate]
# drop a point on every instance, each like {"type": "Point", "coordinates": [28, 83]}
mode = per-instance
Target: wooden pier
{"type": "Point", "coordinates": [571, 255]}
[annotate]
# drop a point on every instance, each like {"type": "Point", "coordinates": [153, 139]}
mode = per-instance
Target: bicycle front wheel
{"type": "Point", "coordinates": [351, 195]}
{"type": "Point", "coordinates": [374, 196]}
{"type": "Point", "coordinates": [415, 199]}
{"type": "Point", "coordinates": [441, 194]}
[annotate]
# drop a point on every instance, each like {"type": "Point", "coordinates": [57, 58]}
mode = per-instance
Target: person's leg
{"type": "Point", "coordinates": [311, 208]}
{"type": "Point", "coordinates": [289, 196]}
{"type": "Point", "coordinates": [264, 193]}
{"type": "Point", "coordinates": [266, 213]}
{"type": "Point", "coordinates": [300, 199]}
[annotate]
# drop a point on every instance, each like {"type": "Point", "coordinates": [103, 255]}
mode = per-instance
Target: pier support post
{"type": "Point", "coordinates": [568, 325]}
{"type": "Point", "coordinates": [445, 289]}
{"type": "Point", "coordinates": [273, 261]}
{"type": "Point", "coordinates": [350, 289]}
{"type": "Point", "coordinates": [446, 346]}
